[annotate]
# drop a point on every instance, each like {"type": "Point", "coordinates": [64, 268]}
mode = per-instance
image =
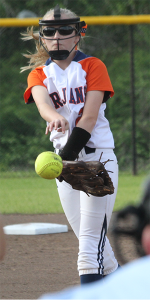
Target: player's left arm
{"type": "Point", "coordinates": [92, 105]}
{"type": "Point", "coordinates": [82, 132]}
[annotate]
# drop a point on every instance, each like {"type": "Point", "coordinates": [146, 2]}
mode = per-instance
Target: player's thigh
{"type": "Point", "coordinates": [70, 201]}
{"type": "Point", "coordinates": [92, 210]}
{"type": "Point", "coordinates": [92, 220]}
{"type": "Point", "coordinates": [111, 166]}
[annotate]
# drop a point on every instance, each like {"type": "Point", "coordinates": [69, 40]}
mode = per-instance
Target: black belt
{"type": "Point", "coordinates": [89, 150]}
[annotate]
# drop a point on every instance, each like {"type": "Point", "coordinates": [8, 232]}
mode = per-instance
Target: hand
{"type": "Point", "coordinates": [61, 125]}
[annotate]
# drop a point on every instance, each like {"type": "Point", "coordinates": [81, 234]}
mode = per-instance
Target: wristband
{"type": "Point", "coordinates": [77, 140]}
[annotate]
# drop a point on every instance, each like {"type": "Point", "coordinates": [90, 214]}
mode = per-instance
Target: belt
{"type": "Point", "coordinates": [89, 150]}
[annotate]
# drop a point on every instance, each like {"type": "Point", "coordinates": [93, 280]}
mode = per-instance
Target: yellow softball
{"type": "Point", "coordinates": [48, 165]}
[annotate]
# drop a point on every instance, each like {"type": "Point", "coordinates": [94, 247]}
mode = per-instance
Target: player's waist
{"type": "Point", "coordinates": [89, 150]}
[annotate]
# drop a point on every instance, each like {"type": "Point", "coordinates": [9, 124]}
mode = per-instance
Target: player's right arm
{"type": "Point", "coordinates": [47, 111]}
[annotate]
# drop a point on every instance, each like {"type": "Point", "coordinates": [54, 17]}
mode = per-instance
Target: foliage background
{"type": "Point", "coordinates": [22, 130]}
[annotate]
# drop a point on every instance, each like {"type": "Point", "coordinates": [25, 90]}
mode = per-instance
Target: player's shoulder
{"type": "Point", "coordinates": [38, 69]}
{"type": "Point", "coordinates": [87, 60]}
{"type": "Point", "coordinates": [80, 56]}
{"type": "Point", "coordinates": [37, 72]}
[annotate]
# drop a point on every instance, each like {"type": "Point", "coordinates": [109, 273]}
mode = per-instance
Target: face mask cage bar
{"type": "Point", "coordinates": [80, 27]}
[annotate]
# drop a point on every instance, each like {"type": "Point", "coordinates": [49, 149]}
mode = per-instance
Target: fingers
{"type": "Point", "coordinates": [47, 129]}
{"type": "Point", "coordinates": [59, 125]}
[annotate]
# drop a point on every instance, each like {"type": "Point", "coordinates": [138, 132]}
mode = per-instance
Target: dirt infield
{"type": "Point", "coordinates": [37, 264]}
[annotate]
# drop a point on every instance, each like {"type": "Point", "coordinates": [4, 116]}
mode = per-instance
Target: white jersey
{"type": "Point", "coordinates": [67, 89]}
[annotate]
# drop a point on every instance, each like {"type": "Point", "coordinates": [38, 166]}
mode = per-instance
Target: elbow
{"type": "Point", "coordinates": [41, 111]}
{"type": "Point", "coordinates": [92, 122]}
{"type": "Point", "coordinates": [87, 123]}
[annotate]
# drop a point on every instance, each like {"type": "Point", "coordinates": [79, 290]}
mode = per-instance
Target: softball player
{"type": "Point", "coordinates": [70, 90]}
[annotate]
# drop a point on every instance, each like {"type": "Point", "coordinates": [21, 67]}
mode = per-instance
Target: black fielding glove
{"type": "Point", "coordinates": [77, 140]}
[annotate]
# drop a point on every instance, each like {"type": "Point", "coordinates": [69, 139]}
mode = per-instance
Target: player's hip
{"type": "Point", "coordinates": [102, 154]}
{"type": "Point", "coordinates": [95, 154]}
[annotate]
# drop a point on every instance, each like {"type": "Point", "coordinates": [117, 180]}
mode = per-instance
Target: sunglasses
{"type": "Point", "coordinates": [63, 30]}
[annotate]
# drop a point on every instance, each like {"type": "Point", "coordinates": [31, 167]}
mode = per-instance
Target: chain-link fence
{"type": "Point", "coordinates": [125, 49]}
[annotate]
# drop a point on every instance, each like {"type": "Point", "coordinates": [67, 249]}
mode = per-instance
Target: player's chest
{"type": "Point", "coordinates": [66, 87]}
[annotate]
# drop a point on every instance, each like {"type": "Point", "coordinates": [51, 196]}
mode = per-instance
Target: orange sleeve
{"type": "Point", "coordinates": [35, 77]}
{"type": "Point", "coordinates": [97, 77]}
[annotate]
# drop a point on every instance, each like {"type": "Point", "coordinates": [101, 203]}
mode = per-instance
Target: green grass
{"type": "Point", "coordinates": [27, 193]}
{"type": "Point", "coordinates": [130, 189]}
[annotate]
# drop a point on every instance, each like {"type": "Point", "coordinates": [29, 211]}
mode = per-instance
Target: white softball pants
{"type": "Point", "coordinates": [87, 216]}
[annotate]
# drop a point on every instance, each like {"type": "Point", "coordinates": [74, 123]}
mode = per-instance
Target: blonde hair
{"type": "Point", "coordinates": [40, 56]}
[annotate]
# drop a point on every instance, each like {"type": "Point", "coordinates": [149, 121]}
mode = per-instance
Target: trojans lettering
{"type": "Point", "coordinates": [76, 96]}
